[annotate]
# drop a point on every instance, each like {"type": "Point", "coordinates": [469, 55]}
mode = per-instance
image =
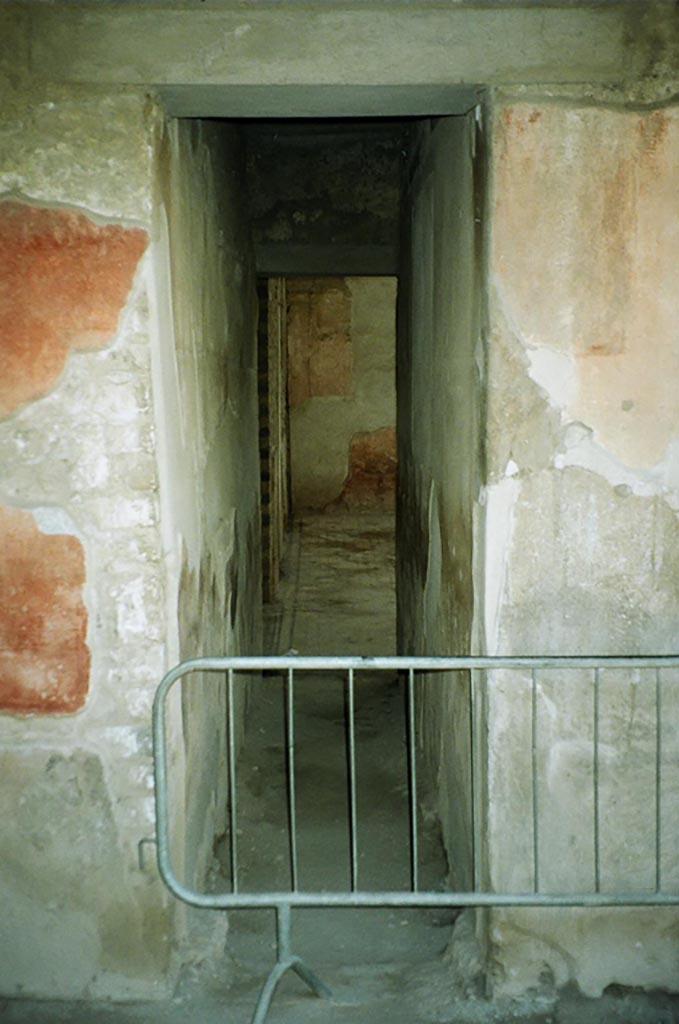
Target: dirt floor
{"type": "Point", "coordinates": [383, 966]}
{"type": "Point", "coordinates": [363, 999]}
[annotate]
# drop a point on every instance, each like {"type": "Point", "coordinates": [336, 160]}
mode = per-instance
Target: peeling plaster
{"type": "Point", "coordinates": [579, 448]}
{"type": "Point", "coordinates": [581, 527]}
{"type": "Point", "coordinates": [612, 396]}
{"type": "Point", "coordinates": [555, 373]}
{"type": "Point", "coordinates": [499, 501]}
{"type": "Point", "coordinates": [596, 321]}
{"type": "Point", "coordinates": [54, 520]}
{"type": "Point", "coordinates": [65, 457]}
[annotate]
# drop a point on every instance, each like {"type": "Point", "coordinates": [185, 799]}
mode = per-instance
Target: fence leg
{"type": "Point", "coordinates": [286, 962]}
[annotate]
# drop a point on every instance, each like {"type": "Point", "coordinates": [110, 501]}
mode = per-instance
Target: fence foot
{"type": "Point", "coordinates": [286, 962]}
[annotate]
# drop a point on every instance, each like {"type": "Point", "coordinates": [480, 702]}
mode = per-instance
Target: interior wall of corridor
{"type": "Point", "coordinates": [206, 383]}
{"type": "Point", "coordinates": [439, 451]}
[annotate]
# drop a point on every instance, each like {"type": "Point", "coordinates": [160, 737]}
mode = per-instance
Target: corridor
{"type": "Point", "coordinates": [336, 597]}
{"type": "Point", "coordinates": [337, 591]}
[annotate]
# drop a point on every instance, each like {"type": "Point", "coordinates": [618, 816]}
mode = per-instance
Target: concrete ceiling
{"type": "Point", "coordinates": [351, 58]}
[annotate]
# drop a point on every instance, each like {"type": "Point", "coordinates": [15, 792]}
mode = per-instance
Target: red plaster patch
{"type": "Point", "coordinates": [371, 480]}
{"type": "Point", "coordinates": [44, 660]}
{"type": "Point", "coordinates": [63, 285]}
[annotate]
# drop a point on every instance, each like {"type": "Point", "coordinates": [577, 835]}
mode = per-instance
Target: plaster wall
{"type": "Point", "coordinates": [581, 527]}
{"type": "Point", "coordinates": [206, 355]}
{"type": "Point", "coordinates": [342, 391]}
{"type": "Point", "coordinates": [439, 452]}
{"type": "Point", "coordinates": [82, 641]}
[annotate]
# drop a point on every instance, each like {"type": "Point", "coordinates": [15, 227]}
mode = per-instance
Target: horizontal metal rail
{"type": "Point", "coordinates": [421, 900]}
{"type": "Point", "coordinates": [399, 663]}
{"type": "Point", "coordinates": [288, 666]}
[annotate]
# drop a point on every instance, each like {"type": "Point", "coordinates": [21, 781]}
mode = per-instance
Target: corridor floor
{"type": "Point", "coordinates": [337, 597]}
{"type": "Point", "coordinates": [382, 966]}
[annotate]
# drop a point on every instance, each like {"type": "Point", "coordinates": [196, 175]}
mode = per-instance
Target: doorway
{"type": "Point", "coordinates": [328, 450]}
{"type": "Point", "coordinates": [413, 184]}
{"type": "Point", "coordinates": [337, 591]}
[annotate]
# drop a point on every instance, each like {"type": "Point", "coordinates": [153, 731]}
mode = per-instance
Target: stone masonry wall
{"type": "Point", "coordinates": [581, 525]}
{"type": "Point", "coordinates": [82, 627]}
{"type": "Point", "coordinates": [99, 594]}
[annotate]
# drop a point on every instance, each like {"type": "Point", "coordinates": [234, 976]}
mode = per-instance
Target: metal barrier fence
{"type": "Point", "coordinates": [480, 670]}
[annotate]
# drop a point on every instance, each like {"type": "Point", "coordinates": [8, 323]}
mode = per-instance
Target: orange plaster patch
{"type": "Point", "coordinates": [371, 480]}
{"type": "Point", "coordinates": [44, 660]}
{"type": "Point", "coordinates": [63, 284]}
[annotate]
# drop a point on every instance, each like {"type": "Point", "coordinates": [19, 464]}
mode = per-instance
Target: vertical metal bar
{"type": "Point", "coordinates": [412, 780]}
{"type": "Point", "coordinates": [534, 777]}
{"type": "Point", "coordinates": [285, 961]}
{"type": "Point", "coordinates": [161, 795]}
{"type": "Point", "coordinates": [658, 789]}
{"type": "Point", "coordinates": [473, 770]}
{"type": "Point", "coordinates": [595, 782]}
{"type": "Point", "coordinates": [231, 756]}
{"type": "Point", "coordinates": [351, 751]}
{"type": "Point", "coordinates": [290, 745]}
{"type": "Point", "coordinates": [283, 944]}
